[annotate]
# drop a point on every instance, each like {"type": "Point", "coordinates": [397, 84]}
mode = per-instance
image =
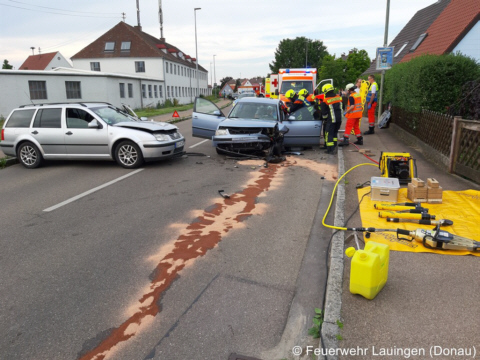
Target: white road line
{"type": "Point", "coordinates": [201, 142]}
{"type": "Point", "coordinates": [91, 191]}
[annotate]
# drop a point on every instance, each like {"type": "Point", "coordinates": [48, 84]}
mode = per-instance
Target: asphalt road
{"type": "Point", "coordinates": [155, 265]}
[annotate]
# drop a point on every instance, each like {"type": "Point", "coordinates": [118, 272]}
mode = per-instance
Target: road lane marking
{"type": "Point", "coordinates": [91, 191]}
{"type": "Point", "coordinates": [201, 142]}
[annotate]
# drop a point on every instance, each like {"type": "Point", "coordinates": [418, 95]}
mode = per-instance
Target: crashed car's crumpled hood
{"type": "Point", "coordinates": [261, 124]}
{"type": "Point", "coordinates": [149, 126]}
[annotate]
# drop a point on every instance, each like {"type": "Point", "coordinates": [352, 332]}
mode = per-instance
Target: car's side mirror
{"type": "Point", "coordinates": [217, 113]}
{"type": "Point", "coordinates": [143, 118]}
{"type": "Point", "coordinates": [94, 124]}
{"type": "Point", "coordinates": [291, 118]}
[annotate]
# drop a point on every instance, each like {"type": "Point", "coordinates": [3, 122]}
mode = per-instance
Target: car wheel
{"type": "Point", "coordinates": [29, 155]}
{"type": "Point", "coordinates": [128, 155]}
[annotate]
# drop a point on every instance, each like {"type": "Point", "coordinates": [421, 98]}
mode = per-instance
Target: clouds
{"type": "Point", "coordinates": [243, 34]}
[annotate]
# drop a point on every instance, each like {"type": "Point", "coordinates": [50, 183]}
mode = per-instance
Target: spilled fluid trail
{"type": "Point", "coordinates": [201, 235]}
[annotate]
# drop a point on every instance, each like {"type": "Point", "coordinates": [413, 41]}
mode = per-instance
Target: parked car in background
{"type": "Point", "coordinates": [86, 131]}
{"type": "Point", "coordinates": [255, 124]}
{"type": "Point", "coordinates": [244, 95]}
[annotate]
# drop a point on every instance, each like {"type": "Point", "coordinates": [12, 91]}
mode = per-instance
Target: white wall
{"type": "Point", "coordinates": [58, 61]}
{"type": "Point", "coordinates": [184, 83]}
{"type": "Point", "coordinates": [470, 44]}
{"type": "Point", "coordinates": [14, 89]}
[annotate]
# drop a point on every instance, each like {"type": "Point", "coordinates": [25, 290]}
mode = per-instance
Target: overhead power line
{"type": "Point", "coordinates": [74, 11]}
{"type": "Point", "coordinates": [57, 13]}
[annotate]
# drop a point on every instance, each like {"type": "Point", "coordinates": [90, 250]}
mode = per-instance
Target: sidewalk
{"type": "Point", "coordinates": [430, 301]}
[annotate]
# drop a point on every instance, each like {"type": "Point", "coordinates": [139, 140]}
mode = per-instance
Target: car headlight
{"type": "Point", "coordinates": [221, 132]}
{"type": "Point", "coordinates": [162, 137]}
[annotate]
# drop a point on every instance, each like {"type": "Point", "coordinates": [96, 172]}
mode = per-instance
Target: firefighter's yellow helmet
{"type": "Point", "coordinates": [326, 88]}
{"type": "Point", "coordinates": [290, 94]}
{"type": "Point", "coordinates": [303, 92]}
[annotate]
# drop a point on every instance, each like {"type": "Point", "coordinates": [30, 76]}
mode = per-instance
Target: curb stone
{"type": "Point", "coordinates": [333, 299]}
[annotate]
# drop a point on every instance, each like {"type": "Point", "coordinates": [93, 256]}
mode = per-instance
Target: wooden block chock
{"type": "Point", "coordinates": [432, 183]}
{"type": "Point", "coordinates": [418, 182]}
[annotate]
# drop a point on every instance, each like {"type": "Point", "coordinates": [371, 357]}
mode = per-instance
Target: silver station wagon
{"type": "Point", "coordinates": [86, 131]}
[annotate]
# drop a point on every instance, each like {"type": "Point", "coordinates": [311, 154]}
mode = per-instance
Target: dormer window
{"type": "Point", "coordinates": [418, 42]}
{"type": "Point", "coordinates": [125, 46]}
{"type": "Point", "coordinates": [109, 46]}
{"type": "Point", "coordinates": [401, 49]}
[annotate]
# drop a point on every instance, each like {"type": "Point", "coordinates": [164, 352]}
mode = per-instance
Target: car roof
{"type": "Point", "coordinates": [255, 100]}
{"type": "Point", "coordinates": [80, 104]}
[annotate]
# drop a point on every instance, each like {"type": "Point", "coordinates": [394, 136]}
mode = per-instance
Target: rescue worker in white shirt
{"type": "Point", "coordinates": [332, 116]}
{"type": "Point", "coordinates": [371, 104]}
{"type": "Point", "coordinates": [353, 115]}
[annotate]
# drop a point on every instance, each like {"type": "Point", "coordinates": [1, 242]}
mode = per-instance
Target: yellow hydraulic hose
{"type": "Point", "coordinates": [333, 194]}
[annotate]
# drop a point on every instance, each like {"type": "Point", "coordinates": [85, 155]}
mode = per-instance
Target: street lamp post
{"type": "Point", "coordinates": [196, 49]}
{"type": "Point", "coordinates": [385, 44]}
{"type": "Point", "coordinates": [214, 77]}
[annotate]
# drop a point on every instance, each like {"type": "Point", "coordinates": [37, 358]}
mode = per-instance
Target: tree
{"type": "Point", "coordinates": [224, 81]}
{"type": "Point", "coordinates": [333, 68]}
{"type": "Point", "coordinates": [6, 65]}
{"type": "Point", "coordinates": [295, 53]}
{"type": "Point", "coordinates": [357, 62]}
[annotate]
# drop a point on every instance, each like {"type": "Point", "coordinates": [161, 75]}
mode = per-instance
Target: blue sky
{"type": "Point", "coordinates": [243, 34]}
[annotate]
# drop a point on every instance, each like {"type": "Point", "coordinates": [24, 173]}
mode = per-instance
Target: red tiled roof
{"type": "Point", "coordinates": [142, 45]}
{"type": "Point", "coordinates": [173, 50]}
{"type": "Point", "coordinates": [417, 25]}
{"type": "Point", "coordinates": [449, 28]}
{"type": "Point", "coordinates": [37, 62]}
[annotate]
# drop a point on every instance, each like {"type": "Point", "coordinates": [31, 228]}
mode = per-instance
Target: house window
{"type": "Point", "coordinates": [109, 46]}
{"type": "Point", "coordinates": [160, 91]}
{"type": "Point", "coordinates": [144, 91]}
{"type": "Point", "coordinates": [130, 90]}
{"type": "Point", "coordinates": [95, 66]}
{"type": "Point", "coordinates": [401, 49]}
{"type": "Point", "coordinates": [168, 91]}
{"type": "Point", "coordinates": [38, 90]}
{"type": "Point", "coordinates": [166, 64]}
{"type": "Point", "coordinates": [139, 66]}
{"type": "Point", "coordinates": [73, 89]}
{"type": "Point", "coordinates": [122, 90]}
{"type": "Point", "coordinates": [155, 91]}
{"type": "Point", "coordinates": [125, 46]}
{"type": "Point", "coordinates": [176, 91]}
{"type": "Point", "coordinates": [175, 69]}
{"type": "Point", "coordinates": [418, 42]}
{"type": "Point", "coordinates": [149, 91]}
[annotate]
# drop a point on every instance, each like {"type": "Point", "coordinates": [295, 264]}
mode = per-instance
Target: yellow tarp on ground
{"type": "Point", "coordinates": [462, 207]}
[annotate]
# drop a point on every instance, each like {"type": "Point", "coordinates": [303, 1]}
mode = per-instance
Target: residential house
{"type": "Point", "coordinates": [406, 39]}
{"type": "Point", "coordinates": [46, 61]}
{"type": "Point", "coordinates": [126, 49]}
{"type": "Point", "coordinates": [228, 88]}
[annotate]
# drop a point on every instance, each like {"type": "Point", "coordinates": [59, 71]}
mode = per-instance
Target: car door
{"type": "Point", "coordinates": [205, 118]}
{"type": "Point", "coordinates": [305, 130]}
{"type": "Point", "coordinates": [47, 130]}
{"type": "Point", "coordinates": [82, 141]}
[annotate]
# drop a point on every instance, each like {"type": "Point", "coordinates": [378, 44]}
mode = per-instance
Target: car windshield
{"type": "Point", "coordinates": [254, 111]}
{"type": "Point", "coordinates": [111, 115]}
{"type": "Point", "coordinates": [296, 86]}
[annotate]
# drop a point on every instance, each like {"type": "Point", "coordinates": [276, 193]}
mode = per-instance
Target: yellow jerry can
{"type": "Point", "coordinates": [369, 269]}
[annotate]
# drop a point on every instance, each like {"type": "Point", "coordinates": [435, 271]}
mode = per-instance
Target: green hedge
{"type": "Point", "coordinates": [429, 81]}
